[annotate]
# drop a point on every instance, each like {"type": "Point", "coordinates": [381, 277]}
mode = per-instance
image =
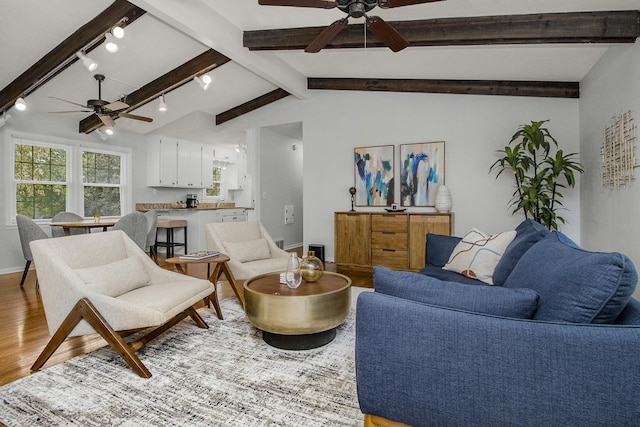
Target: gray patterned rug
{"type": "Point", "coordinates": [223, 376]}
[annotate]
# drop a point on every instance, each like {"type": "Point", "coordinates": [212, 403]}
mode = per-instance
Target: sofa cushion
{"type": "Point", "coordinates": [448, 276]}
{"type": "Point", "coordinates": [249, 250]}
{"type": "Point", "coordinates": [477, 254]}
{"type": "Point", "coordinates": [439, 248]}
{"type": "Point", "coordinates": [498, 301]}
{"type": "Point", "coordinates": [115, 278]}
{"type": "Point", "coordinates": [528, 232]}
{"type": "Point", "coordinates": [574, 285]}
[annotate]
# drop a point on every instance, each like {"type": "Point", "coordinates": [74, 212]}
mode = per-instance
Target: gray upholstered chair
{"type": "Point", "coordinates": [135, 225]}
{"type": "Point", "coordinates": [250, 247]}
{"type": "Point", "coordinates": [152, 227]}
{"type": "Point", "coordinates": [67, 217]}
{"type": "Point", "coordinates": [104, 283]}
{"type": "Point", "coordinates": [28, 231]}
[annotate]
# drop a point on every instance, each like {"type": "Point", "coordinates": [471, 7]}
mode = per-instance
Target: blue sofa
{"type": "Point", "coordinates": [556, 342]}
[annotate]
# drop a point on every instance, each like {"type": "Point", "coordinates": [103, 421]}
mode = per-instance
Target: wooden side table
{"type": "Point", "coordinates": [221, 266]}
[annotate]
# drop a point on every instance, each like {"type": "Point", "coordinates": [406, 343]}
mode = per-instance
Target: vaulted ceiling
{"type": "Point", "coordinates": [255, 53]}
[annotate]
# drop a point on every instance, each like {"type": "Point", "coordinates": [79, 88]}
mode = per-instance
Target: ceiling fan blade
{"type": "Point", "coordinates": [386, 33]}
{"type": "Point", "coordinates": [135, 117]}
{"type": "Point", "coordinates": [69, 102]}
{"type": "Point", "coordinates": [117, 105]}
{"type": "Point", "coordinates": [107, 120]}
{"type": "Point", "coordinates": [320, 4]}
{"type": "Point", "coordinates": [397, 3]}
{"type": "Point", "coordinates": [325, 37]}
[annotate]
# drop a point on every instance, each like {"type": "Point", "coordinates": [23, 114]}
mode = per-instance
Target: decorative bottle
{"type": "Point", "coordinates": [311, 267]}
{"type": "Point", "coordinates": [293, 278]}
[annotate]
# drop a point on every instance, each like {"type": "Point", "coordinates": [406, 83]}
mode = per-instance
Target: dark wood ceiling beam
{"type": "Point", "coordinates": [86, 37]}
{"type": "Point", "coordinates": [464, 87]}
{"type": "Point", "coordinates": [249, 106]}
{"type": "Point", "coordinates": [573, 27]}
{"type": "Point", "coordinates": [205, 62]}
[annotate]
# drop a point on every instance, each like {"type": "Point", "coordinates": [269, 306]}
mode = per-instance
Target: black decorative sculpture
{"type": "Point", "coordinates": [352, 191]}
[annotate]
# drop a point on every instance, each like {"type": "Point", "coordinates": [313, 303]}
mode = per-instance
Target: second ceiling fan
{"type": "Point", "coordinates": [355, 9]}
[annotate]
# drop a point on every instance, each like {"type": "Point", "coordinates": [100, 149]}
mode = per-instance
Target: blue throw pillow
{"type": "Point", "coordinates": [498, 301]}
{"type": "Point", "coordinates": [574, 285]}
{"type": "Point", "coordinates": [528, 233]}
{"type": "Point", "coordinates": [439, 248]}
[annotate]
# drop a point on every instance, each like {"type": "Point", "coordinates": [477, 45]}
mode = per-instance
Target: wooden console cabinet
{"type": "Point", "coordinates": [393, 239]}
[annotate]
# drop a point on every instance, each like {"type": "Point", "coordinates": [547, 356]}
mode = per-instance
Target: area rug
{"type": "Point", "coordinates": [223, 376]}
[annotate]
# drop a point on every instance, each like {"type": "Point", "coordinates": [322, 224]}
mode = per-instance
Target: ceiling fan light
{"type": "Point", "coordinates": [118, 31]}
{"type": "Point", "coordinates": [101, 134]}
{"type": "Point", "coordinates": [162, 107]}
{"type": "Point", "coordinates": [111, 45]}
{"type": "Point", "coordinates": [89, 63]}
{"type": "Point", "coordinates": [108, 130]}
{"type": "Point", "coordinates": [20, 104]}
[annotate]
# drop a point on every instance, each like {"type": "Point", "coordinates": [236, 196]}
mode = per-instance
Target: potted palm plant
{"type": "Point", "coordinates": [541, 171]}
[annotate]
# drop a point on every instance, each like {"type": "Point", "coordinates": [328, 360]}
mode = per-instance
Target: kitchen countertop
{"type": "Point", "coordinates": [144, 207]}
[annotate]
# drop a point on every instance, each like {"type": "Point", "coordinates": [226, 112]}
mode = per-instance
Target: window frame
{"type": "Point", "coordinates": [123, 175]}
{"type": "Point", "coordinates": [75, 184]}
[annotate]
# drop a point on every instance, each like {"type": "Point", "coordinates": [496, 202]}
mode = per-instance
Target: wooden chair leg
{"type": "Point", "coordinates": [375, 421]}
{"type": "Point", "coordinates": [197, 318]}
{"type": "Point", "coordinates": [24, 273]}
{"type": "Point", "coordinates": [85, 310]}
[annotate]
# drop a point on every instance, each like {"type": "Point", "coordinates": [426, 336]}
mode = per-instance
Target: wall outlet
{"type": "Point", "coordinates": [288, 214]}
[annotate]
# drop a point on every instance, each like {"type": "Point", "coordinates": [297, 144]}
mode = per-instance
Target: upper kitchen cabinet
{"type": "Point", "coordinates": [174, 163]}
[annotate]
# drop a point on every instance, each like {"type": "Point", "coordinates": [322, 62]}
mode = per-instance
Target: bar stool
{"type": "Point", "coordinates": [170, 225]}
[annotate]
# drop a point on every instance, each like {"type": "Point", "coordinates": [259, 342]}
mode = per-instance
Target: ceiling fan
{"type": "Point", "coordinates": [105, 110]}
{"type": "Point", "coordinates": [355, 9]}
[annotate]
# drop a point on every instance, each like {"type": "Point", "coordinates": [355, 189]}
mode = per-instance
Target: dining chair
{"type": "Point", "coordinates": [152, 226]}
{"type": "Point", "coordinates": [28, 231]}
{"type": "Point", "coordinates": [135, 225]}
{"type": "Point", "coordinates": [67, 217]}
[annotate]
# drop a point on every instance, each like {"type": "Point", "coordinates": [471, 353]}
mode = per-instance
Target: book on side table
{"type": "Point", "coordinates": [200, 255]}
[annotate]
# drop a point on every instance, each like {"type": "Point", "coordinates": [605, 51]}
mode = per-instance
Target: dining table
{"type": "Point", "coordinates": [68, 225]}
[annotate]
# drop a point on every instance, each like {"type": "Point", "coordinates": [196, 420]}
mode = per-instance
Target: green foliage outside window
{"type": "Point", "coordinates": [214, 190]}
{"type": "Point", "coordinates": [101, 174]}
{"type": "Point", "coordinates": [41, 173]}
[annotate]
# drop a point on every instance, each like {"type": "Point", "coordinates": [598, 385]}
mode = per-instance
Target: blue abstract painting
{"type": "Point", "coordinates": [374, 175]}
{"type": "Point", "coordinates": [421, 172]}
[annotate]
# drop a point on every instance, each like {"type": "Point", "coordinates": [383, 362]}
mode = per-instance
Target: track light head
{"type": "Point", "coordinates": [89, 63]}
{"type": "Point", "coordinates": [20, 104]}
{"type": "Point", "coordinates": [118, 31]}
{"type": "Point", "coordinates": [162, 107]}
{"type": "Point", "coordinates": [4, 118]}
{"type": "Point", "coordinates": [204, 81]}
{"type": "Point", "coordinates": [111, 44]}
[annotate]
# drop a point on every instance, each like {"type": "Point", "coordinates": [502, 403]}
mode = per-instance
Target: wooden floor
{"type": "Point", "coordinates": [24, 333]}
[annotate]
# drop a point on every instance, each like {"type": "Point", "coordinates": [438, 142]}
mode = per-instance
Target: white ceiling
{"type": "Point", "coordinates": [174, 31]}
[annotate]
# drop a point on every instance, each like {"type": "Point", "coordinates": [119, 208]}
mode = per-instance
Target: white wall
{"type": "Point", "coordinates": [610, 219]}
{"type": "Point", "coordinates": [473, 128]}
{"type": "Point", "coordinates": [281, 177]}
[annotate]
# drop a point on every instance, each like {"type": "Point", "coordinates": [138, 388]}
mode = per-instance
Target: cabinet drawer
{"type": "Point", "coordinates": [390, 258]}
{"type": "Point", "coordinates": [389, 240]}
{"type": "Point", "coordinates": [389, 222]}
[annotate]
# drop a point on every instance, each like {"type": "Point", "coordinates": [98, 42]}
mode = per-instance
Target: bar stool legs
{"type": "Point", "coordinates": [170, 225]}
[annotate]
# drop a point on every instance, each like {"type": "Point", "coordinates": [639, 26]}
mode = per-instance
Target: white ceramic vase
{"type": "Point", "coordinates": [443, 199]}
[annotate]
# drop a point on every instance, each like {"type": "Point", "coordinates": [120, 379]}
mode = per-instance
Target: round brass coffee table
{"type": "Point", "coordinates": [297, 319]}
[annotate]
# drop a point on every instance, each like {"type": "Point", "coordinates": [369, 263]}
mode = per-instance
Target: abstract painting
{"type": "Point", "coordinates": [374, 175]}
{"type": "Point", "coordinates": [421, 172]}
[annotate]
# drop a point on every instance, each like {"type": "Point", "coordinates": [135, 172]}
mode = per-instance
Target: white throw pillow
{"type": "Point", "coordinates": [249, 250]}
{"type": "Point", "coordinates": [116, 278]}
{"type": "Point", "coordinates": [477, 254]}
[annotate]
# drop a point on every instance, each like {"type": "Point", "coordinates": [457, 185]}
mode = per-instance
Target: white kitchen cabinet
{"type": "Point", "coordinates": [237, 173]}
{"type": "Point", "coordinates": [174, 163]}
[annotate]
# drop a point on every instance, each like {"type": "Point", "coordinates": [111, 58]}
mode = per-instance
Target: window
{"type": "Point", "coordinates": [102, 179]}
{"type": "Point", "coordinates": [214, 190]}
{"type": "Point", "coordinates": [48, 176]}
{"type": "Point", "coordinates": [40, 175]}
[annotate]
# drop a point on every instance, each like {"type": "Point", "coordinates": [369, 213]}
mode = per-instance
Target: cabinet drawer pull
{"type": "Point", "coordinates": [389, 233]}
{"type": "Point", "coordinates": [388, 250]}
